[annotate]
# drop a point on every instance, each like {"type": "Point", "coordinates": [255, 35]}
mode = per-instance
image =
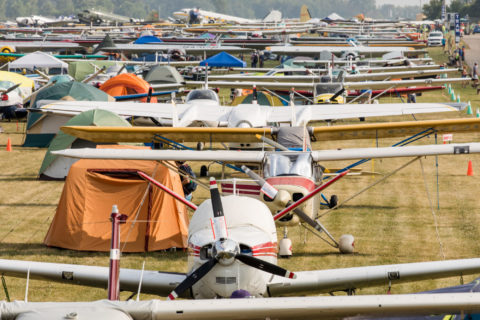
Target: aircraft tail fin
{"type": "Point", "coordinates": [273, 16]}
{"type": "Point", "coordinates": [305, 14]}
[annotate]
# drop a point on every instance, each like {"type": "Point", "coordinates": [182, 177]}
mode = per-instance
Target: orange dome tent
{"type": "Point", "coordinates": [125, 84]}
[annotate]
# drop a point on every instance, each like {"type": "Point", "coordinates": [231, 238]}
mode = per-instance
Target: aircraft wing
{"type": "Point", "coordinates": [154, 282]}
{"type": "Point", "coordinates": [400, 83]}
{"type": "Point", "coordinates": [186, 113]}
{"type": "Point", "coordinates": [359, 277]}
{"type": "Point", "coordinates": [257, 115]}
{"type": "Point", "coordinates": [349, 77]}
{"type": "Point", "coordinates": [394, 152]}
{"type": "Point", "coordinates": [305, 114]}
{"type": "Point", "coordinates": [197, 50]}
{"type": "Point", "coordinates": [395, 129]}
{"type": "Point", "coordinates": [310, 85]}
{"type": "Point", "coordinates": [149, 134]}
{"type": "Point", "coordinates": [323, 307]}
{"type": "Point", "coordinates": [395, 75]}
{"type": "Point", "coordinates": [180, 155]}
{"type": "Point", "coordinates": [325, 133]}
{"type": "Point", "coordinates": [258, 156]}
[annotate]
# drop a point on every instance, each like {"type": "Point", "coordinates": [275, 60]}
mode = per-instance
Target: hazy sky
{"type": "Point", "coordinates": [404, 2]}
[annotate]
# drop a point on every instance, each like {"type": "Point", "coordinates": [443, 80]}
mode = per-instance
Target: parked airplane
{"type": "Point", "coordinates": [202, 108]}
{"type": "Point", "coordinates": [197, 15]}
{"type": "Point", "coordinates": [287, 177]}
{"type": "Point", "coordinates": [232, 253]}
{"type": "Point", "coordinates": [97, 17]}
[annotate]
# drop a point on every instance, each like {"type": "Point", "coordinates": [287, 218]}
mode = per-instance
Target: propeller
{"type": "Point", "coordinates": [10, 89]}
{"type": "Point", "coordinates": [339, 92]}
{"type": "Point", "coordinates": [224, 250]}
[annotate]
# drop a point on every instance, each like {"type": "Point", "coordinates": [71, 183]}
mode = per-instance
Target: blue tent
{"type": "Point", "coordinates": [147, 39]}
{"type": "Point", "coordinates": [223, 59]}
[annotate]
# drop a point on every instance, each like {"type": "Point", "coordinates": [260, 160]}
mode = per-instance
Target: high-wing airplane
{"type": "Point", "coordinates": [186, 15]}
{"type": "Point", "coordinates": [232, 254]}
{"type": "Point", "coordinates": [358, 85]}
{"type": "Point", "coordinates": [378, 76]}
{"type": "Point", "coordinates": [202, 108]}
{"type": "Point", "coordinates": [286, 177]}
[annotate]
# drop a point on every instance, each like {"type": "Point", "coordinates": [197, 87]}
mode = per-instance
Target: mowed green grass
{"type": "Point", "coordinates": [392, 222]}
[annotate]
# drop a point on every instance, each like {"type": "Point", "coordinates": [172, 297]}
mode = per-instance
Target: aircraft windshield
{"type": "Point", "coordinates": [202, 95]}
{"type": "Point", "coordinates": [296, 164]}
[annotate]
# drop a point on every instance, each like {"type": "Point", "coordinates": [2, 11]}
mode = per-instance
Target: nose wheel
{"type": "Point", "coordinates": [285, 245]}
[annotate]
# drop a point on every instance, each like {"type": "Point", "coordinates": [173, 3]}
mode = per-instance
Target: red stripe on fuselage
{"type": "Point", "coordinates": [293, 180]}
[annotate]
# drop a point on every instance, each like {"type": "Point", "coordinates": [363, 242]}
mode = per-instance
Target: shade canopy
{"type": "Point", "coordinates": [223, 59]}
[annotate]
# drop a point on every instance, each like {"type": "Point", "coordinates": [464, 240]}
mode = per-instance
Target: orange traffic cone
{"type": "Point", "coordinates": [470, 169]}
{"type": "Point", "coordinates": [9, 145]}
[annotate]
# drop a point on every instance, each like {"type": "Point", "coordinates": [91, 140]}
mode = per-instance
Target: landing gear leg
{"type": "Point", "coordinates": [285, 245]}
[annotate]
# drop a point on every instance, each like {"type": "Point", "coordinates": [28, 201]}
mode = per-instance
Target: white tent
{"type": "Point", "coordinates": [39, 60]}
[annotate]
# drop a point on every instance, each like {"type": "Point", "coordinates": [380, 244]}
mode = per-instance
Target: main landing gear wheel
{"type": "Point", "coordinates": [333, 201]}
{"type": "Point", "coordinates": [203, 171]}
{"type": "Point", "coordinates": [346, 243]}
{"type": "Point", "coordinates": [200, 146]}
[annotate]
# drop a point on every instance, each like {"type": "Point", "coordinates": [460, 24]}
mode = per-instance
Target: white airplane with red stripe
{"type": "Point", "coordinates": [232, 254]}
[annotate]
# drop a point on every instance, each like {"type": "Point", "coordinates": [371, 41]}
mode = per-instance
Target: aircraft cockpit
{"type": "Point", "coordinates": [202, 94]}
{"type": "Point", "coordinates": [290, 164]}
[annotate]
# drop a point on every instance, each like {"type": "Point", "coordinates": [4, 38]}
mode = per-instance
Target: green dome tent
{"type": "Point", "coordinates": [41, 128]}
{"type": "Point", "coordinates": [56, 167]}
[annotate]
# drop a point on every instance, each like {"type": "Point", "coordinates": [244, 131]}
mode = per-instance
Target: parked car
{"type": "Point", "coordinates": [476, 29]}
{"type": "Point", "coordinates": [435, 38]}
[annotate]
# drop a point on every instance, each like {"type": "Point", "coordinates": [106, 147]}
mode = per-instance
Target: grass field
{"type": "Point", "coordinates": [392, 222]}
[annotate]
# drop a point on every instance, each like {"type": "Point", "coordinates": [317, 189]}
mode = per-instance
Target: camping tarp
{"type": "Point", "coordinates": [56, 167]}
{"type": "Point", "coordinates": [37, 60]}
{"type": "Point", "coordinates": [126, 84]}
{"type": "Point", "coordinates": [41, 128]}
{"type": "Point", "coordinates": [147, 39]}
{"type": "Point", "coordinates": [156, 221]}
{"type": "Point", "coordinates": [223, 59]}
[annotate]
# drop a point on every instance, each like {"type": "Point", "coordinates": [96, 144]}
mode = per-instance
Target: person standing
{"type": "Point", "coordinates": [475, 76]}
{"type": "Point", "coordinates": [254, 59]}
{"type": "Point", "coordinates": [186, 175]}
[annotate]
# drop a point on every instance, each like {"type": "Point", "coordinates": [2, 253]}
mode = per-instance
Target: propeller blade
{"type": "Point", "coordinates": [12, 88]}
{"type": "Point", "coordinates": [269, 190]}
{"type": "Point", "coordinates": [265, 266]}
{"type": "Point", "coordinates": [339, 92]}
{"type": "Point", "coordinates": [149, 96]}
{"type": "Point", "coordinates": [192, 278]}
{"type": "Point", "coordinates": [219, 225]}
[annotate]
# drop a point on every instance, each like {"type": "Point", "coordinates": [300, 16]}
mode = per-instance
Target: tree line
{"type": "Point", "coordinates": [433, 10]}
{"type": "Point", "coordinates": [146, 9]}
